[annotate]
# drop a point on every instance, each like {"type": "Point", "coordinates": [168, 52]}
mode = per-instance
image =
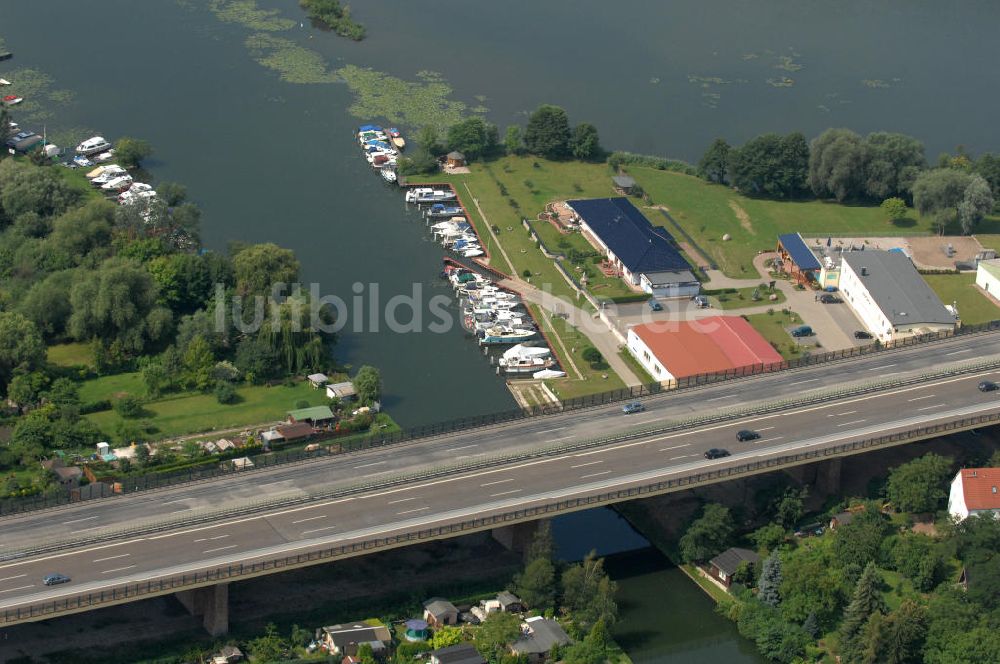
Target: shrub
{"type": "Point", "coordinates": [128, 407]}
{"type": "Point", "coordinates": [301, 403]}
{"type": "Point", "coordinates": [526, 274]}
{"type": "Point", "coordinates": [225, 393]}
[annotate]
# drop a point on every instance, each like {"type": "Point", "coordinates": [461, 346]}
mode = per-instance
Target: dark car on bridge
{"type": "Point", "coordinates": [987, 386]}
{"type": "Point", "coordinates": [716, 453]}
{"type": "Point", "coordinates": [744, 435]}
{"type": "Point", "coordinates": [55, 579]}
{"type": "Point", "coordinates": [634, 407]}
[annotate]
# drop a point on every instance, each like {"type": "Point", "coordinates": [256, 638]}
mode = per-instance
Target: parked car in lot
{"type": "Point", "coordinates": [987, 386]}
{"type": "Point", "coordinates": [716, 453]}
{"type": "Point", "coordinates": [634, 407]}
{"type": "Point", "coordinates": [861, 334]}
{"type": "Point", "coordinates": [827, 298]}
{"type": "Point", "coordinates": [654, 305]}
{"type": "Point", "coordinates": [701, 301]}
{"type": "Point", "coordinates": [55, 579]}
{"type": "Point", "coordinates": [743, 435]}
{"type": "Point", "coordinates": [802, 331]}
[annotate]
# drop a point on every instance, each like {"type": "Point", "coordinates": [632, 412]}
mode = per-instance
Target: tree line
{"type": "Point", "coordinates": [335, 16]}
{"type": "Point", "coordinates": [131, 284]}
{"type": "Point", "coordinates": [842, 165]}
{"type": "Point", "coordinates": [833, 589]}
{"type": "Point", "coordinates": [547, 134]}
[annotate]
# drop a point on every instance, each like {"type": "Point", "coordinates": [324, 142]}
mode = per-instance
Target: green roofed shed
{"type": "Point", "coordinates": [313, 415]}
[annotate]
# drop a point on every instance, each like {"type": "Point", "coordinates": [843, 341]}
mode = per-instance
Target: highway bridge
{"type": "Point", "coordinates": [193, 539]}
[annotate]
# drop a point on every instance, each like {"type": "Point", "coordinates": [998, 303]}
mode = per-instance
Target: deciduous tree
{"type": "Point", "coordinates": [588, 593]}
{"type": "Point", "coordinates": [584, 143]}
{"type": "Point", "coordinates": [474, 136]}
{"type": "Point", "coordinates": [708, 535]}
{"type": "Point", "coordinates": [368, 383]}
{"type": "Point", "coordinates": [548, 133]}
{"type": "Point", "coordinates": [129, 152]}
{"type": "Point", "coordinates": [714, 164]}
{"type": "Point", "coordinates": [920, 485]}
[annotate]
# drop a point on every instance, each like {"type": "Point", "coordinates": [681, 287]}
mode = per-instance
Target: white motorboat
{"type": "Point", "coordinates": [433, 196]}
{"type": "Point", "coordinates": [548, 373]}
{"type": "Point", "coordinates": [94, 145]}
{"type": "Point", "coordinates": [389, 175]}
{"type": "Point", "coordinates": [412, 194]}
{"type": "Point", "coordinates": [107, 175]}
{"type": "Point", "coordinates": [119, 184]}
{"type": "Point", "coordinates": [473, 253]}
{"type": "Point", "coordinates": [128, 198]}
{"type": "Point", "coordinates": [527, 351]}
{"type": "Point", "coordinates": [104, 157]}
{"type": "Point", "coordinates": [523, 364]}
{"type": "Point", "coordinates": [4, 81]}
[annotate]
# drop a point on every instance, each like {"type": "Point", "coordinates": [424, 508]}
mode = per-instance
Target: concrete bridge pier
{"type": "Point", "coordinates": [211, 603]}
{"type": "Point", "coordinates": [516, 537]}
{"type": "Point", "coordinates": [824, 476]}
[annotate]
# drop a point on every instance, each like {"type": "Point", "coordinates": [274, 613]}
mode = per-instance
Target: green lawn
{"type": "Point", "coordinates": [772, 327]}
{"type": "Point", "coordinates": [637, 369]}
{"type": "Point", "coordinates": [744, 298]}
{"type": "Point", "coordinates": [177, 415]}
{"type": "Point", "coordinates": [973, 305]}
{"type": "Point", "coordinates": [108, 387]}
{"type": "Point", "coordinates": [70, 355]}
{"type": "Point", "coordinates": [594, 380]}
{"type": "Point", "coordinates": [709, 211]}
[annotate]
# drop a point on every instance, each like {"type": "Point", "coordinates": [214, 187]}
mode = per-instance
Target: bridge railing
{"type": "Point", "coordinates": [141, 589]}
{"type": "Point", "coordinates": [336, 445]}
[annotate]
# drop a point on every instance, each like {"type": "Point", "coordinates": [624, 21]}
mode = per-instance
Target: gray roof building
{"type": "Point", "coordinates": [462, 653]}
{"type": "Point", "coordinates": [729, 560]}
{"type": "Point", "coordinates": [543, 633]}
{"type": "Point", "coordinates": [897, 289]}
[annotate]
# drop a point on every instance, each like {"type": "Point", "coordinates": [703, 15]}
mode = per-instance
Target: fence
{"type": "Point", "coordinates": [687, 238]}
{"type": "Point", "coordinates": [159, 480]}
{"type": "Point", "coordinates": [134, 591]}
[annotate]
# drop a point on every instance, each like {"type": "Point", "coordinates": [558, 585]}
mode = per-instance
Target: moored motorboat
{"type": "Point", "coordinates": [11, 100]}
{"type": "Point", "coordinates": [431, 196]}
{"type": "Point", "coordinates": [389, 174]}
{"type": "Point", "coordinates": [103, 157]}
{"type": "Point", "coordinates": [503, 334]}
{"type": "Point", "coordinates": [93, 145]}
{"type": "Point", "coordinates": [442, 210]}
{"type": "Point", "coordinates": [4, 81]}
{"type": "Point", "coordinates": [80, 160]}
{"type": "Point", "coordinates": [411, 194]}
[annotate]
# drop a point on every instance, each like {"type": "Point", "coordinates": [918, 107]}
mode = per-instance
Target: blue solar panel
{"type": "Point", "coordinates": [800, 253]}
{"type": "Point", "coordinates": [640, 246]}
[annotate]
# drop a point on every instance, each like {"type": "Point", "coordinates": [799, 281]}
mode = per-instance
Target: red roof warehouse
{"type": "Point", "coordinates": [673, 350]}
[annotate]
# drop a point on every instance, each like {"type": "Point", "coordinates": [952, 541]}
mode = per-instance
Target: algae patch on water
{"type": "Point", "coordinates": [39, 96]}
{"type": "Point", "coordinates": [295, 64]}
{"type": "Point", "coordinates": [414, 104]}
{"type": "Point", "coordinates": [249, 15]}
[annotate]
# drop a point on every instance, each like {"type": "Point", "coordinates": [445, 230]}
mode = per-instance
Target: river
{"type": "Point", "coordinates": [665, 618]}
{"type": "Point", "coordinates": [270, 160]}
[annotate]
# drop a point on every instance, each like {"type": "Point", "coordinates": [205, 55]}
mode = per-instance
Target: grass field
{"type": "Point", "coordinates": [709, 211]}
{"type": "Point", "coordinates": [744, 298]}
{"type": "Point", "coordinates": [973, 305]}
{"type": "Point", "coordinates": [772, 327]}
{"type": "Point", "coordinates": [177, 415]}
{"type": "Point", "coordinates": [594, 380]}
{"type": "Point", "coordinates": [70, 355]}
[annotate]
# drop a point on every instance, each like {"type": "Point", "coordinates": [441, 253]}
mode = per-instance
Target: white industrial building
{"type": "Point", "coordinates": [890, 297]}
{"type": "Point", "coordinates": [988, 276]}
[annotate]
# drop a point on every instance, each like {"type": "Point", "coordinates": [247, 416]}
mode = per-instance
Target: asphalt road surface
{"type": "Point", "coordinates": [420, 504]}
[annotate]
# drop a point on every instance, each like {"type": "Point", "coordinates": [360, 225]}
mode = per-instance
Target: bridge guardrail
{"type": "Point", "coordinates": [483, 463]}
{"type": "Point", "coordinates": [234, 572]}
{"type": "Point", "coordinates": [147, 481]}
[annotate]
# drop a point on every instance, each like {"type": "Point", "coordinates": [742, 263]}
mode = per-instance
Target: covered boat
{"type": "Point", "coordinates": [548, 373]}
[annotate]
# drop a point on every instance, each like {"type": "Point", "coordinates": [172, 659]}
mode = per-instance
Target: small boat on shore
{"type": "Point", "coordinates": [80, 160]}
{"type": "Point", "coordinates": [4, 81]}
{"type": "Point", "coordinates": [6, 55]}
{"type": "Point", "coordinates": [548, 373]}
{"type": "Point", "coordinates": [103, 157]}
{"type": "Point", "coordinates": [11, 100]}
{"type": "Point", "coordinates": [397, 138]}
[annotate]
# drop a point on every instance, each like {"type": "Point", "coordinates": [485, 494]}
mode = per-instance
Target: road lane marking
{"type": "Point", "coordinates": [218, 537]}
{"type": "Point", "coordinates": [86, 518]}
{"type": "Point", "coordinates": [808, 380]}
{"type": "Point", "coordinates": [423, 485]}
{"type": "Point", "coordinates": [419, 509]}
{"type": "Point", "coordinates": [556, 440]}
{"type": "Point", "coordinates": [368, 465]}
{"type": "Point", "coordinates": [119, 569]}
{"type": "Point", "coordinates": [505, 493]}
{"type": "Point", "coordinates": [675, 447]}
{"type": "Point", "coordinates": [261, 486]}
{"type": "Point", "coordinates": [551, 430]}
{"type": "Point", "coordinates": [8, 578]}
{"type": "Point", "coordinates": [884, 366]}
{"type": "Point", "coordinates": [937, 405]}
{"type": "Point", "coordinates": [122, 555]}
{"type": "Point", "coordinates": [848, 412]}
{"type": "Point", "coordinates": [928, 396]}
{"type": "Point", "coordinates": [463, 447]}
{"type": "Point", "coordinates": [221, 548]}
{"type": "Point", "coordinates": [10, 590]}
{"type": "Point", "coordinates": [606, 472]}
{"type": "Point", "coordinates": [844, 424]}
{"type": "Point", "coordinates": [178, 511]}
{"type": "Point", "coordinates": [312, 518]}
{"type": "Point", "coordinates": [589, 463]}
{"type": "Point", "coordinates": [171, 502]}
{"type": "Point", "coordinates": [768, 440]}
{"type": "Point", "coordinates": [728, 396]}
{"type": "Point", "coordinates": [509, 479]}
{"type": "Point", "coordinates": [765, 428]}
{"type": "Point", "coordinates": [683, 456]}
{"type": "Point", "coordinates": [956, 352]}
{"type": "Point", "coordinates": [402, 500]}
{"type": "Point", "coordinates": [317, 530]}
